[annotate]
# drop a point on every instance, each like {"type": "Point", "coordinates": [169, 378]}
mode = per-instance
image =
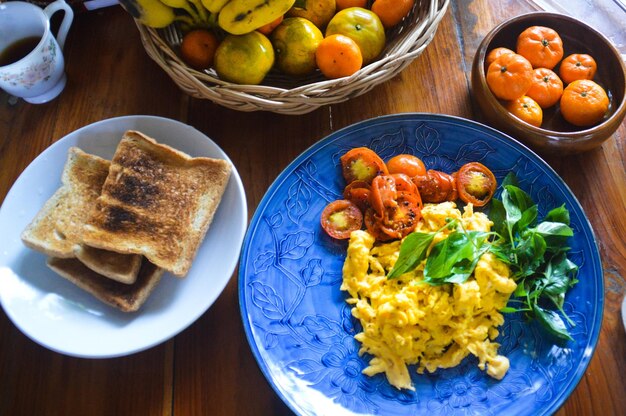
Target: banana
{"type": "Point", "coordinates": [182, 4]}
{"type": "Point", "coordinates": [242, 16]}
{"type": "Point", "coordinates": [151, 13]}
{"type": "Point", "coordinates": [214, 6]}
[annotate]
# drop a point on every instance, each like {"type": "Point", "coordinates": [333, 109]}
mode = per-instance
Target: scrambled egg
{"type": "Point", "coordinates": [406, 321]}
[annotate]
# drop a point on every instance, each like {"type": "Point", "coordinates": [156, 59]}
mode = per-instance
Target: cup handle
{"type": "Point", "coordinates": [51, 9]}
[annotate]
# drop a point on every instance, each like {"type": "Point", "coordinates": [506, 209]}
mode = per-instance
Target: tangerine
{"type": "Point", "coordinates": [526, 109]}
{"type": "Point", "coordinates": [295, 41]}
{"type": "Point", "coordinates": [362, 26]}
{"type": "Point", "coordinates": [269, 28]}
{"type": "Point", "coordinates": [198, 48]}
{"type": "Point", "coordinates": [546, 88]}
{"type": "Point", "coordinates": [495, 54]}
{"type": "Point", "coordinates": [541, 45]}
{"type": "Point", "coordinates": [244, 59]}
{"type": "Point", "coordinates": [317, 11]}
{"type": "Point", "coordinates": [344, 4]}
{"type": "Point", "coordinates": [577, 66]}
{"type": "Point", "coordinates": [584, 103]}
{"type": "Point", "coordinates": [509, 76]}
{"type": "Point", "coordinates": [338, 56]}
{"type": "Point", "coordinates": [391, 12]}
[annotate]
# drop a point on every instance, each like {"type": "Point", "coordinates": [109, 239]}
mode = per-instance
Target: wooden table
{"type": "Point", "coordinates": [209, 368]}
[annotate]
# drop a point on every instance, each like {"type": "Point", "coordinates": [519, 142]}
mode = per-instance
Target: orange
{"type": "Point", "coordinates": [584, 103]}
{"type": "Point", "coordinates": [295, 41]}
{"type": "Point", "coordinates": [577, 66]}
{"type": "Point", "coordinates": [268, 28]}
{"type": "Point", "coordinates": [526, 109]}
{"type": "Point", "coordinates": [244, 59]}
{"type": "Point", "coordinates": [391, 12]}
{"type": "Point", "coordinates": [546, 88]}
{"type": "Point", "coordinates": [338, 56]}
{"type": "Point", "coordinates": [198, 48]}
{"type": "Point", "coordinates": [495, 54]}
{"type": "Point", "coordinates": [362, 26]}
{"type": "Point", "coordinates": [541, 45]}
{"type": "Point", "coordinates": [317, 11]}
{"type": "Point", "coordinates": [344, 4]}
{"type": "Point", "coordinates": [509, 76]}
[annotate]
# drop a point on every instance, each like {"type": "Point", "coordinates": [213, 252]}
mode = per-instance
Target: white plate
{"type": "Point", "coordinates": [58, 315]}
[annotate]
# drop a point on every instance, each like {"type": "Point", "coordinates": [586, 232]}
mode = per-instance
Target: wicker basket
{"type": "Point", "coordinates": [287, 95]}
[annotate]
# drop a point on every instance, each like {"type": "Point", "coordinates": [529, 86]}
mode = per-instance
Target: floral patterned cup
{"type": "Point", "coordinates": [39, 76]}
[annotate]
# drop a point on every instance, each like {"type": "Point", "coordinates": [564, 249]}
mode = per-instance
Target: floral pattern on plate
{"type": "Point", "coordinates": [300, 327]}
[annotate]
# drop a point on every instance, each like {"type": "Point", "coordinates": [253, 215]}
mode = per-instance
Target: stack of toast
{"type": "Point", "coordinates": [114, 227]}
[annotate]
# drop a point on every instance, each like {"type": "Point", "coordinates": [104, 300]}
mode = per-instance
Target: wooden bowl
{"type": "Point", "coordinates": [555, 135]}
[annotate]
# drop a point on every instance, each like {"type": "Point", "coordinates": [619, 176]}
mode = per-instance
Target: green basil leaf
{"type": "Point", "coordinates": [510, 179]}
{"type": "Point", "coordinates": [555, 234]}
{"type": "Point", "coordinates": [528, 218]}
{"type": "Point", "coordinates": [412, 252]}
{"type": "Point", "coordinates": [508, 309]}
{"type": "Point", "coordinates": [559, 214]}
{"type": "Point", "coordinates": [453, 260]}
{"type": "Point", "coordinates": [559, 274]}
{"type": "Point", "coordinates": [548, 229]}
{"type": "Point", "coordinates": [552, 322]}
{"type": "Point", "coordinates": [497, 215]}
{"type": "Point", "coordinates": [516, 202]}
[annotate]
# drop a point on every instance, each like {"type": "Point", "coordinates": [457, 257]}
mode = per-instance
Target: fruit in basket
{"type": "Point", "coordinates": [198, 48]}
{"type": "Point", "coordinates": [577, 66]}
{"type": "Point", "coordinates": [295, 41]}
{"type": "Point", "coordinates": [541, 45]}
{"type": "Point", "coordinates": [317, 11]}
{"type": "Point", "coordinates": [510, 76]}
{"type": "Point", "coordinates": [362, 26]}
{"type": "Point", "coordinates": [244, 59]}
{"type": "Point", "coordinates": [193, 8]}
{"type": "Point", "coordinates": [391, 12]}
{"type": "Point", "coordinates": [344, 4]}
{"type": "Point", "coordinates": [584, 103]}
{"type": "Point", "coordinates": [214, 6]}
{"type": "Point", "coordinates": [269, 28]}
{"type": "Point", "coordinates": [151, 13]}
{"type": "Point", "coordinates": [338, 56]}
{"type": "Point", "coordinates": [239, 17]}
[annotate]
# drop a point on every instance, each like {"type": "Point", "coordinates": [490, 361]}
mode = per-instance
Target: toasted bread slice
{"type": "Point", "coordinates": [127, 298]}
{"type": "Point", "coordinates": [157, 202]}
{"type": "Point", "coordinates": [57, 228]}
{"type": "Point", "coordinates": [116, 266]}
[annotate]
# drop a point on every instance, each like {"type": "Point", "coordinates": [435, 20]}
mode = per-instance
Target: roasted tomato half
{"type": "Point", "coordinates": [436, 186]}
{"type": "Point", "coordinates": [383, 193]}
{"type": "Point", "coordinates": [408, 164]}
{"type": "Point", "coordinates": [362, 164]}
{"type": "Point", "coordinates": [396, 221]}
{"type": "Point", "coordinates": [475, 183]}
{"type": "Point", "coordinates": [340, 218]}
{"type": "Point", "coordinates": [359, 193]}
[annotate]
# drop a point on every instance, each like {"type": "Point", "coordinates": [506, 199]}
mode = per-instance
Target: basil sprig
{"type": "Point", "coordinates": [451, 260]}
{"type": "Point", "coordinates": [536, 252]}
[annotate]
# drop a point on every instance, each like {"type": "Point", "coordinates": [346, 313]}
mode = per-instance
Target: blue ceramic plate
{"type": "Point", "coordinates": [300, 328]}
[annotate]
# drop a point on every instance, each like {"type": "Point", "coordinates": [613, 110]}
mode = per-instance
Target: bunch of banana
{"type": "Point", "coordinates": [162, 13]}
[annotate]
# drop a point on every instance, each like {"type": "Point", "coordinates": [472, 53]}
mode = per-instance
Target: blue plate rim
{"type": "Point", "coordinates": [423, 117]}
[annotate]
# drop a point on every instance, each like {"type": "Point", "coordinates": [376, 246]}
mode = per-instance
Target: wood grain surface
{"type": "Point", "coordinates": [209, 369]}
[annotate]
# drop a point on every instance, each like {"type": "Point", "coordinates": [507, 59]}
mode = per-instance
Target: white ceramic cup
{"type": "Point", "coordinates": [40, 75]}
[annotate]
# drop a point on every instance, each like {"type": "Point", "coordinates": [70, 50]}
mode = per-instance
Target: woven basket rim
{"type": "Point", "coordinates": [408, 43]}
